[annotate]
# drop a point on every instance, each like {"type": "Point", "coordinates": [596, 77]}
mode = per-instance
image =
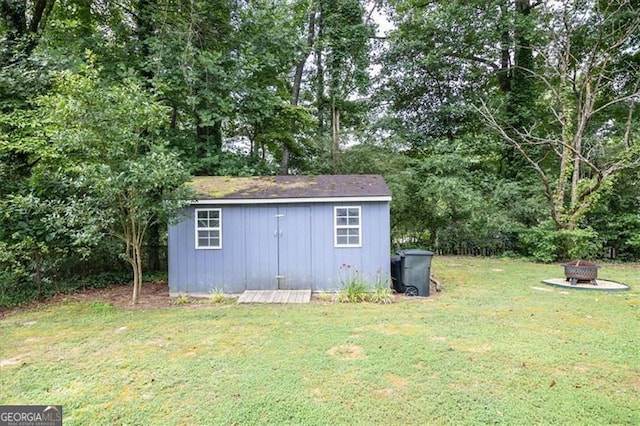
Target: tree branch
{"type": "Point", "coordinates": [489, 118]}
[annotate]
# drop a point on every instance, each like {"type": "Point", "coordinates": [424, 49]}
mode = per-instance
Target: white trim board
{"type": "Point", "coordinates": [384, 198]}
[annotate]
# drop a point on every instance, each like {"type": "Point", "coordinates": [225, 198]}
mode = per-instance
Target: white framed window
{"type": "Point", "coordinates": [208, 229]}
{"type": "Point", "coordinates": [347, 226]}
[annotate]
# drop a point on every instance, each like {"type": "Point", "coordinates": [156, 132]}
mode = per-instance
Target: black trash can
{"type": "Point", "coordinates": [416, 271]}
{"type": "Point", "coordinates": [396, 274]}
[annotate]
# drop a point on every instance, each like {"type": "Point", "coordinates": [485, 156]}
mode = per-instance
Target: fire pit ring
{"type": "Point", "coordinates": [580, 270]}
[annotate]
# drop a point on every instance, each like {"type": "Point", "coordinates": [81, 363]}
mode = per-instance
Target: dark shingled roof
{"type": "Point", "coordinates": [272, 187]}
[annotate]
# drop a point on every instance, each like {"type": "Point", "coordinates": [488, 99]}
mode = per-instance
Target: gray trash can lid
{"type": "Point", "coordinates": [416, 252]}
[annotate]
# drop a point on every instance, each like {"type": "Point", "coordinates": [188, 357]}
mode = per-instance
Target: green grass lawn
{"type": "Point", "coordinates": [496, 346]}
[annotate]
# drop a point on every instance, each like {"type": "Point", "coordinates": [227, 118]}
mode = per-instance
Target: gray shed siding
{"type": "Point", "coordinates": [254, 250]}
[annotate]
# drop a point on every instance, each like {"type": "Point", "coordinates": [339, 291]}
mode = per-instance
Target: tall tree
{"type": "Point", "coordinates": [267, 110]}
{"type": "Point", "coordinates": [122, 167]}
{"type": "Point", "coordinates": [22, 23]}
{"type": "Point", "coordinates": [296, 86]}
{"type": "Point", "coordinates": [22, 77]}
{"type": "Point", "coordinates": [591, 79]}
{"type": "Point", "coordinates": [342, 57]}
{"type": "Point", "coordinates": [444, 54]}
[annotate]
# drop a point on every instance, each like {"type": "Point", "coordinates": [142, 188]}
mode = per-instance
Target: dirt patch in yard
{"type": "Point", "coordinates": [347, 352]}
{"type": "Point", "coordinates": [153, 295]}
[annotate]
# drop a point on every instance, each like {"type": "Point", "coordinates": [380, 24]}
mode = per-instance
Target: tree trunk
{"type": "Point", "coordinates": [518, 81]}
{"type": "Point", "coordinates": [295, 90]}
{"type": "Point", "coordinates": [140, 276]}
{"type": "Point", "coordinates": [320, 100]}
{"type": "Point", "coordinates": [285, 160]}
{"type": "Point", "coordinates": [504, 73]}
{"type": "Point", "coordinates": [575, 176]}
{"type": "Point", "coordinates": [209, 138]}
{"type": "Point", "coordinates": [297, 77]}
{"type": "Point", "coordinates": [153, 239]}
{"type": "Point", "coordinates": [136, 263]}
{"type": "Point", "coordinates": [335, 137]}
{"type": "Point", "coordinates": [174, 116]}
{"type": "Point", "coordinates": [37, 269]}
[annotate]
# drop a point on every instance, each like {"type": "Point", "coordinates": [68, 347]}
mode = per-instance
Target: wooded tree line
{"type": "Point", "coordinates": [502, 126]}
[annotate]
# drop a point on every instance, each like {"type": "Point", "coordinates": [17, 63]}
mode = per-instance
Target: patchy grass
{"type": "Point", "coordinates": [491, 348]}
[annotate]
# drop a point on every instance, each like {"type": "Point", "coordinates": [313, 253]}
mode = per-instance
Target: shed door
{"type": "Point", "coordinates": [294, 248]}
{"type": "Point", "coordinates": [278, 247]}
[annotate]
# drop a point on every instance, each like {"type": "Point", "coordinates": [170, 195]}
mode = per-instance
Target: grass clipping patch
{"type": "Point", "coordinates": [347, 352]}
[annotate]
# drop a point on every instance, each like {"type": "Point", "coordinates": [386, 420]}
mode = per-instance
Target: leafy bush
{"type": "Point", "coordinates": [103, 279]}
{"type": "Point", "coordinates": [540, 244]}
{"type": "Point", "coordinates": [355, 289]}
{"type": "Point", "coordinates": [326, 297]}
{"type": "Point", "coordinates": [381, 294]}
{"type": "Point", "coordinates": [181, 299]}
{"type": "Point", "coordinates": [581, 243]}
{"type": "Point", "coordinates": [217, 296]}
{"type": "Point", "coordinates": [352, 292]}
{"type": "Point", "coordinates": [15, 290]}
{"type": "Point", "coordinates": [544, 244]}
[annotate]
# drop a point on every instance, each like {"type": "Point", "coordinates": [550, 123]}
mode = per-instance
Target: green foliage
{"type": "Point", "coordinates": [100, 280]}
{"type": "Point", "coordinates": [353, 288]}
{"type": "Point", "coordinates": [437, 62]}
{"type": "Point", "coordinates": [616, 217]}
{"type": "Point", "coordinates": [15, 288]}
{"type": "Point", "coordinates": [38, 232]}
{"type": "Point", "coordinates": [547, 244]}
{"type": "Point", "coordinates": [217, 296]}
{"type": "Point", "coordinates": [326, 297]}
{"type": "Point", "coordinates": [102, 308]}
{"type": "Point", "coordinates": [128, 174]}
{"type": "Point", "coordinates": [181, 299]}
{"type": "Point", "coordinates": [381, 293]}
{"type": "Point", "coordinates": [453, 200]}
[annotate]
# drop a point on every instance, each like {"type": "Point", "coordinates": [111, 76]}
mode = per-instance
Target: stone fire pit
{"type": "Point", "coordinates": [580, 270]}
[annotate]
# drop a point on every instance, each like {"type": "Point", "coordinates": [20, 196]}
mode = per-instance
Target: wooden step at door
{"type": "Point", "coordinates": [275, 296]}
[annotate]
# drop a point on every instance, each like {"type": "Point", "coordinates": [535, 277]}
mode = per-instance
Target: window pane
{"type": "Point", "coordinates": [208, 232]}
{"type": "Point", "coordinates": [354, 221]}
{"type": "Point", "coordinates": [353, 212]}
{"type": "Point", "coordinates": [341, 221]}
{"type": "Point", "coordinates": [341, 212]}
{"type": "Point", "coordinates": [342, 232]}
{"type": "Point", "coordinates": [342, 240]}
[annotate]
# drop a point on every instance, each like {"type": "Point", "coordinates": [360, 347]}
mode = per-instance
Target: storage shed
{"type": "Point", "coordinates": [280, 232]}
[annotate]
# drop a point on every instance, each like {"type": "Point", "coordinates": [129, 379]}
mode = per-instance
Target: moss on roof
{"type": "Point", "coordinates": [260, 187]}
{"type": "Point", "coordinates": [242, 187]}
